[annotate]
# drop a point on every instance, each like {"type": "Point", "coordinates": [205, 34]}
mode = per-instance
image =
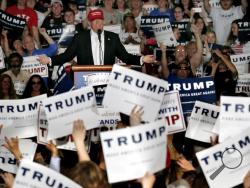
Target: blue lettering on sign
{"type": "Point", "coordinates": [241, 108]}
{"type": "Point", "coordinates": [18, 108]}
{"type": "Point", "coordinates": [139, 83]}
{"type": "Point", "coordinates": [206, 112]}
{"type": "Point", "coordinates": [70, 102]}
{"type": "Point", "coordinates": [123, 140]}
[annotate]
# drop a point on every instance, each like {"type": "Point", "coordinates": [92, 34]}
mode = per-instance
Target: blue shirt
{"type": "Point", "coordinates": [169, 13]}
{"type": "Point", "coordinates": [50, 51]}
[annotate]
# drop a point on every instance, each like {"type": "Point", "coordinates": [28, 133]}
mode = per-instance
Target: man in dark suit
{"type": "Point", "coordinates": [96, 47]}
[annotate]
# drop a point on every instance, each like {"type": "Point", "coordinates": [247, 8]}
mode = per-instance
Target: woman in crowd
{"type": "Point", "coordinates": [121, 7]}
{"type": "Point", "coordinates": [35, 86]}
{"type": "Point", "coordinates": [179, 14]}
{"type": "Point", "coordinates": [136, 10]}
{"type": "Point", "coordinates": [187, 5]}
{"type": "Point", "coordinates": [129, 34]}
{"type": "Point", "coordinates": [163, 10]}
{"type": "Point", "coordinates": [111, 16]}
{"type": "Point", "coordinates": [7, 90]}
{"type": "Point", "coordinates": [234, 42]}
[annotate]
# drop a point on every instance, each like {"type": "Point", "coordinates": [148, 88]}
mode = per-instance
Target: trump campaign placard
{"type": "Point", "coordinates": [171, 110]}
{"type": "Point", "coordinates": [32, 65]}
{"type": "Point", "coordinates": [32, 174]}
{"type": "Point", "coordinates": [131, 152]}
{"type": "Point", "coordinates": [61, 110]}
{"type": "Point", "coordinates": [234, 116]}
{"type": "Point", "coordinates": [241, 61]}
{"type": "Point", "coordinates": [128, 88]}
{"type": "Point", "coordinates": [164, 34]}
{"type": "Point", "coordinates": [20, 117]}
{"type": "Point", "coordinates": [243, 84]}
{"type": "Point", "coordinates": [202, 121]}
{"type": "Point", "coordinates": [8, 162]}
{"type": "Point", "coordinates": [225, 165]}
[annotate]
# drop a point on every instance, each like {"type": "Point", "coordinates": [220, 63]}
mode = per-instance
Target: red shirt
{"type": "Point", "coordinates": [27, 13]}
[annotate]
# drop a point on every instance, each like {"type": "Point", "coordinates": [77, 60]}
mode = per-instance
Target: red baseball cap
{"type": "Point", "coordinates": [95, 14]}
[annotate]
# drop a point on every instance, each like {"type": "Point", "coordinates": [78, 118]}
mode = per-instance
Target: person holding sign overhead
{"type": "Point", "coordinates": [96, 47]}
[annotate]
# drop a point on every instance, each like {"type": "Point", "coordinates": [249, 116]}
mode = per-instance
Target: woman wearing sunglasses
{"type": "Point", "coordinates": [35, 86]}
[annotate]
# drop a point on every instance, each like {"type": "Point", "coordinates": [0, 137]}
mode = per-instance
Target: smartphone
{"type": "Point", "coordinates": [198, 9]}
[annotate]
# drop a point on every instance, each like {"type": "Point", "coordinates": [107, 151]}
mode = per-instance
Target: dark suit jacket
{"type": "Point", "coordinates": [81, 47]}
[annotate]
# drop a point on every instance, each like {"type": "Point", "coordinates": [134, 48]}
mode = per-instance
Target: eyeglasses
{"type": "Point", "coordinates": [33, 83]}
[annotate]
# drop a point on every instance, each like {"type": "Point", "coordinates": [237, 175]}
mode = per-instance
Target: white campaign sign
{"type": "Point", "coordinates": [97, 79]}
{"type": "Point", "coordinates": [237, 159]}
{"type": "Point", "coordinates": [164, 34]}
{"type": "Point", "coordinates": [131, 152]}
{"type": "Point", "coordinates": [20, 117]}
{"type": "Point", "coordinates": [202, 121]}
{"type": "Point", "coordinates": [2, 64]}
{"type": "Point", "coordinates": [128, 88]}
{"type": "Point", "coordinates": [42, 126]}
{"type": "Point", "coordinates": [62, 110]}
{"type": "Point", "coordinates": [32, 174]}
{"type": "Point", "coordinates": [133, 48]}
{"type": "Point", "coordinates": [32, 65]}
{"type": "Point", "coordinates": [8, 162]}
{"type": "Point", "coordinates": [234, 116]}
{"type": "Point", "coordinates": [243, 84]}
{"type": "Point", "coordinates": [241, 62]}
{"type": "Point", "coordinates": [171, 109]}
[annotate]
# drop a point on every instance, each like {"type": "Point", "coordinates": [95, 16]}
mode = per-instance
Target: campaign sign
{"type": "Point", "coordinates": [107, 121]}
{"type": "Point", "coordinates": [32, 65]}
{"type": "Point", "coordinates": [172, 111]}
{"type": "Point", "coordinates": [8, 162]}
{"type": "Point", "coordinates": [214, 3]}
{"type": "Point", "coordinates": [241, 62]}
{"type": "Point", "coordinates": [67, 36]}
{"type": "Point", "coordinates": [148, 21]}
{"type": "Point", "coordinates": [32, 174]}
{"type": "Point", "coordinates": [55, 32]}
{"type": "Point", "coordinates": [243, 84]}
{"type": "Point", "coordinates": [225, 165]}
{"type": "Point", "coordinates": [234, 116]}
{"type": "Point", "coordinates": [244, 30]}
{"type": "Point", "coordinates": [61, 110]}
{"type": "Point", "coordinates": [164, 34]}
{"type": "Point", "coordinates": [193, 89]}
{"type": "Point", "coordinates": [183, 28]}
{"type": "Point", "coordinates": [42, 126]}
{"type": "Point", "coordinates": [128, 88]}
{"type": "Point", "coordinates": [202, 121]}
{"type": "Point", "coordinates": [20, 117]}
{"type": "Point", "coordinates": [131, 152]}
{"type": "Point", "coordinates": [12, 23]}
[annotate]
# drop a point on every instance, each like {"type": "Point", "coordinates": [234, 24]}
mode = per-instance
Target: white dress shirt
{"type": "Point", "coordinates": [95, 47]}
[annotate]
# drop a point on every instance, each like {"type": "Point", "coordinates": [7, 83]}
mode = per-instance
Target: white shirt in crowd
{"type": "Point", "coordinates": [222, 20]}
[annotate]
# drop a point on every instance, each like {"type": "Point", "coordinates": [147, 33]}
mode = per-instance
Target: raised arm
{"type": "Point", "coordinates": [207, 6]}
{"type": "Point", "coordinates": [12, 145]}
{"type": "Point", "coordinates": [164, 62]}
{"type": "Point", "coordinates": [244, 5]}
{"type": "Point", "coordinates": [79, 133]}
{"type": "Point", "coordinates": [196, 59]}
{"type": "Point", "coordinates": [45, 35]}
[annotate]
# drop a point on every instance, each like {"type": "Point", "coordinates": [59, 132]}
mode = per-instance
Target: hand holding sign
{"type": "Point", "coordinates": [12, 145]}
{"type": "Point", "coordinates": [52, 148]}
{"type": "Point", "coordinates": [135, 116]}
{"type": "Point", "coordinates": [148, 59]}
{"type": "Point", "coordinates": [43, 59]}
{"type": "Point", "coordinates": [147, 181]}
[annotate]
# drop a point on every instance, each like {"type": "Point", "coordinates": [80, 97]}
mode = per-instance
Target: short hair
{"type": "Point", "coordinates": [15, 55]}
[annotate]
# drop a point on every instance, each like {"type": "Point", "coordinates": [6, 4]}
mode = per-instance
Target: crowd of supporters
{"type": "Point", "coordinates": [211, 37]}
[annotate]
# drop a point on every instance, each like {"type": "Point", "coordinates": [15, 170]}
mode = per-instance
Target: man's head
{"type": "Point", "coordinates": [96, 19]}
{"type": "Point", "coordinates": [226, 4]}
{"type": "Point", "coordinates": [56, 7]}
{"type": "Point", "coordinates": [21, 3]}
{"type": "Point", "coordinates": [28, 43]}
{"type": "Point", "coordinates": [15, 62]}
{"type": "Point", "coordinates": [180, 53]}
{"type": "Point", "coordinates": [69, 16]}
